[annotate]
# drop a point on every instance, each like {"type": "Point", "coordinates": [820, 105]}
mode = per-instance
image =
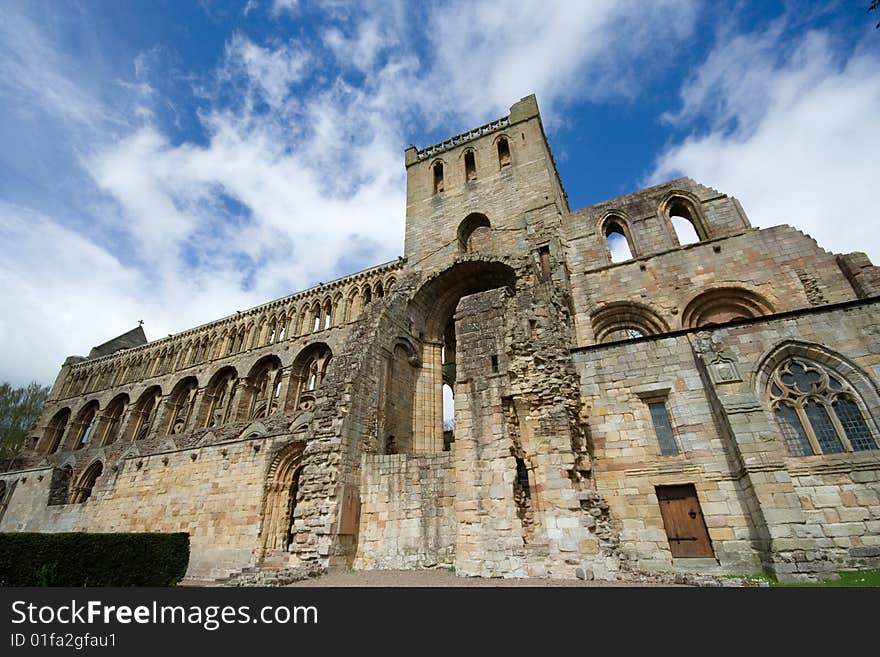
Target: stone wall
{"type": "Point", "coordinates": [407, 511]}
{"type": "Point", "coordinates": [214, 493]}
{"type": "Point", "coordinates": [798, 516]}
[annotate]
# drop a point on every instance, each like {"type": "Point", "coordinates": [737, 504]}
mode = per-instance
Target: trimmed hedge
{"type": "Point", "coordinates": [80, 559]}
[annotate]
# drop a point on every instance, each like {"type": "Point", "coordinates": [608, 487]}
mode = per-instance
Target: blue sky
{"type": "Point", "coordinates": [175, 162]}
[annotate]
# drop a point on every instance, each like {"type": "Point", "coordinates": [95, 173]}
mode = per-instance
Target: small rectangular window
{"type": "Point", "coordinates": [663, 428]}
{"type": "Point", "coordinates": [544, 256]}
{"type": "Point", "coordinates": [494, 364]}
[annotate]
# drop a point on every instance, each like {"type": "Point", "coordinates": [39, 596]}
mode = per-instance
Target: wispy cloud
{"type": "Point", "coordinates": [791, 132]}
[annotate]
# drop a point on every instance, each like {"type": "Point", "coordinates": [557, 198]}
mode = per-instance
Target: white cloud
{"type": "Point", "coordinates": [271, 71]}
{"type": "Point", "coordinates": [792, 133]}
{"type": "Point", "coordinates": [488, 56]}
{"type": "Point", "coordinates": [283, 6]}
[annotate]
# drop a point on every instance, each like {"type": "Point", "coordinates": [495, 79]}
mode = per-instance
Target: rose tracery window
{"type": "Point", "coordinates": [817, 411]}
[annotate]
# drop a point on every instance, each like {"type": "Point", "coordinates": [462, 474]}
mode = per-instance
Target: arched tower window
{"type": "Point", "coordinates": [474, 233]}
{"type": "Point", "coordinates": [438, 177]}
{"type": "Point", "coordinates": [817, 411]}
{"type": "Point", "coordinates": [685, 220]}
{"type": "Point", "coordinates": [503, 153]}
{"type": "Point", "coordinates": [470, 166]}
{"type": "Point", "coordinates": [617, 241]}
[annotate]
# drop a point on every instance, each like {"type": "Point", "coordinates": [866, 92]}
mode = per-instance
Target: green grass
{"type": "Point", "coordinates": [848, 579]}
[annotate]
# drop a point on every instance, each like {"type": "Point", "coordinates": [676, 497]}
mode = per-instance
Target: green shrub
{"type": "Point", "coordinates": [79, 559]}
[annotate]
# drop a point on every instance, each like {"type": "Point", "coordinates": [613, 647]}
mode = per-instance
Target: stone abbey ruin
{"type": "Point", "coordinates": [708, 407]}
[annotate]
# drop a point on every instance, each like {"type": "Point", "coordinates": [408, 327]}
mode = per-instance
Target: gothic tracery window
{"type": "Point", "coordinates": [817, 411]}
{"type": "Point", "coordinates": [311, 373]}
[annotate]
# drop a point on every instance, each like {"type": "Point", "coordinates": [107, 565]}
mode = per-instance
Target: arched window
{"type": "Point", "coordinates": [328, 313]}
{"type": "Point", "coordinates": [817, 411]}
{"type": "Point", "coordinates": [368, 295]}
{"type": "Point", "coordinates": [470, 166]}
{"type": "Point", "coordinates": [266, 388]}
{"type": "Point", "coordinates": [113, 419]}
{"type": "Point", "coordinates": [308, 372]}
{"type": "Point", "coordinates": [503, 153]}
{"type": "Point", "coordinates": [474, 233]}
{"type": "Point", "coordinates": [354, 306]}
{"type": "Point", "coordinates": [685, 221]}
{"type": "Point", "coordinates": [144, 413]}
{"type": "Point", "coordinates": [273, 331]}
{"type": "Point", "coordinates": [623, 320]}
{"type": "Point", "coordinates": [617, 241]}
{"type": "Point", "coordinates": [438, 177]}
{"type": "Point", "coordinates": [83, 490]}
{"type": "Point", "coordinates": [85, 423]}
{"type": "Point", "coordinates": [722, 305]}
{"type": "Point", "coordinates": [181, 405]}
{"type": "Point", "coordinates": [55, 430]}
{"type": "Point", "coordinates": [218, 397]}
{"type": "Point", "coordinates": [282, 328]}
{"type": "Point", "coordinates": [380, 291]}
{"type": "Point", "coordinates": [316, 317]}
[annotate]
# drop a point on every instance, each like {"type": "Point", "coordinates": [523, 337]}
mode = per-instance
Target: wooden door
{"type": "Point", "coordinates": [683, 520]}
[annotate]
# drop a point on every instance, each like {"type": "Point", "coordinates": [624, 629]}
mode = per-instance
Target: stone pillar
{"type": "Point", "coordinates": [428, 404]}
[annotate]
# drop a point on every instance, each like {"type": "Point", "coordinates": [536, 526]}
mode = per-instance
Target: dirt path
{"type": "Point", "coordinates": [439, 578]}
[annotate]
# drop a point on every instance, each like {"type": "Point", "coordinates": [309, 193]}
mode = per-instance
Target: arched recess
{"type": "Point", "coordinates": [181, 404]}
{"type": "Point", "coordinates": [307, 374]}
{"type": "Point", "coordinates": [432, 310]}
{"type": "Point", "coordinates": [111, 422]}
{"type": "Point", "coordinates": [725, 304]}
{"type": "Point", "coordinates": [143, 416]}
{"type": "Point", "coordinates": [397, 399]}
{"type": "Point", "coordinates": [84, 425]}
{"type": "Point", "coordinates": [625, 320]}
{"type": "Point", "coordinates": [618, 238]}
{"type": "Point", "coordinates": [218, 400]}
{"type": "Point", "coordinates": [282, 492]}
{"type": "Point", "coordinates": [821, 401]}
{"type": "Point", "coordinates": [54, 434]}
{"type": "Point", "coordinates": [264, 387]}
{"type": "Point", "coordinates": [685, 219]}
{"type": "Point", "coordinates": [83, 489]}
{"type": "Point", "coordinates": [474, 233]}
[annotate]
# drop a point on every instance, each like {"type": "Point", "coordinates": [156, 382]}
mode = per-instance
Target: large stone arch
{"type": "Point", "coordinates": [432, 311]}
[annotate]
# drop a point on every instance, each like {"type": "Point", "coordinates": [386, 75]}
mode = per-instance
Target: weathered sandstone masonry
{"type": "Point", "coordinates": [642, 387]}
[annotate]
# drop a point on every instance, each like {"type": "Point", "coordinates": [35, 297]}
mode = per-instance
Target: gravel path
{"type": "Point", "coordinates": [438, 578]}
